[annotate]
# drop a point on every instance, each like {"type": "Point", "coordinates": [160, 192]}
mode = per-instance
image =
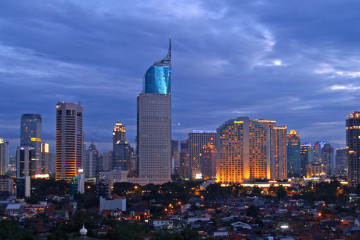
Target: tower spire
{"type": "Point", "coordinates": [166, 61]}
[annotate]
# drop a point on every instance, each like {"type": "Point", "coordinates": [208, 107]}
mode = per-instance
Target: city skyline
{"type": "Point", "coordinates": [307, 76]}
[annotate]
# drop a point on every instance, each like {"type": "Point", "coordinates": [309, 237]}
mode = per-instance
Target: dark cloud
{"type": "Point", "coordinates": [291, 61]}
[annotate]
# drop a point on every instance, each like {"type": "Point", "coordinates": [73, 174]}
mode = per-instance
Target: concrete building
{"type": "Point", "coordinates": [306, 157]}
{"type": "Point", "coordinates": [154, 123]}
{"type": "Point", "coordinates": [185, 170]}
{"type": "Point", "coordinates": [199, 139]}
{"type": "Point", "coordinates": [23, 169]}
{"type": "Point", "coordinates": [4, 156]}
{"type": "Point", "coordinates": [113, 203]}
{"type": "Point", "coordinates": [106, 160]}
{"type": "Point", "coordinates": [7, 184]}
{"type": "Point", "coordinates": [31, 136]}
{"type": "Point", "coordinates": [122, 151]}
{"type": "Point", "coordinates": [69, 140]}
{"type": "Point", "coordinates": [341, 162]}
{"type": "Point", "coordinates": [316, 170]}
{"type": "Point", "coordinates": [328, 158]}
{"type": "Point", "coordinates": [353, 148]}
{"type": "Point", "coordinates": [293, 154]}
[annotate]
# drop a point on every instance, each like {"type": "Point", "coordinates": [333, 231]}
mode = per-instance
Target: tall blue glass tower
{"type": "Point", "coordinates": [154, 123]}
{"type": "Point", "coordinates": [158, 76]}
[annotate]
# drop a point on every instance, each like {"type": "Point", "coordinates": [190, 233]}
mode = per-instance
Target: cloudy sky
{"type": "Point", "coordinates": [296, 62]}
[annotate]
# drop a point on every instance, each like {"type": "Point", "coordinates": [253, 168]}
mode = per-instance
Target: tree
{"type": "Point", "coordinates": [252, 211]}
{"type": "Point", "coordinates": [281, 192]}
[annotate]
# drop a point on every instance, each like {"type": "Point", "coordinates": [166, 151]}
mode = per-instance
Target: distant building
{"type": "Point", "coordinates": [90, 164]}
{"type": "Point", "coordinates": [175, 155]}
{"type": "Point", "coordinates": [328, 158]}
{"type": "Point", "coordinates": [306, 157]}
{"type": "Point", "coordinates": [341, 162]}
{"type": "Point", "coordinates": [293, 154]}
{"type": "Point", "coordinates": [69, 140]}
{"type": "Point", "coordinates": [106, 160]}
{"type": "Point", "coordinates": [4, 156]}
{"type": "Point", "coordinates": [184, 170]}
{"type": "Point", "coordinates": [7, 184]}
{"type": "Point", "coordinates": [31, 136]}
{"type": "Point", "coordinates": [103, 188]}
{"type": "Point", "coordinates": [44, 159]}
{"type": "Point", "coordinates": [113, 203]}
{"type": "Point", "coordinates": [316, 170]}
{"type": "Point", "coordinates": [199, 139]}
{"type": "Point", "coordinates": [317, 149]}
{"type": "Point", "coordinates": [23, 166]}
{"type": "Point", "coordinates": [353, 148]}
{"type": "Point", "coordinates": [154, 123]}
{"type": "Point", "coordinates": [208, 161]}
{"type": "Point", "coordinates": [122, 151]}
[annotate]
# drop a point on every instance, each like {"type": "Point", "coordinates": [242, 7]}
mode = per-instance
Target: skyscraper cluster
{"type": "Point", "coordinates": [239, 150]}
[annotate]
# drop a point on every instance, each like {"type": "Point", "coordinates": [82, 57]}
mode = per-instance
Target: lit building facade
{"type": "Point", "coordinates": [154, 123]}
{"type": "Point", "coordinates": [293, 154]}
{"type": "Point", "coordinates": [306, 157]}
{"type": "Point", "coordinates": [69, 140]}
{"type": "Point", "coordinates": [30, 136]}
{"type": "Point", "coordinates": [122, 151]}
{"type": "Point", "coordinates": [199, 139]}
{"type": "Point", "coordinates": [278, 158]}
{"type": "Point", "coordinates": [243, 151]}
{"type": "Point", "coordinates": [4, 156]}
{"type": "Point", "coordinates": [316, 170]}
{"type": "Point", "coordinates": [353, 148]}
{"type": "Point", "coordinates": [208, 161]}
{"type": "Point", "coordinates": [341, 162]}
{"type": "Point", "coordinates": [328, 158]}
{"type": "Point", "coordinates": [184, 159]}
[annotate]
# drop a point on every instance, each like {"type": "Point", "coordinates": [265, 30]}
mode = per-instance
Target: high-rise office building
{"type": "Point", "coordinates": [89, 164]}
{"type": "Point", "coordinates": [353, 148]}
{"type": "Point", "coordinates": [154, 123]}
{"type": "Point", "coordinates": [30, 136]}
{"type": "Point", "coordinates": [106, 160]}
{"type": "Point", "coordinates": [122, 151]}
{"type": "Point", "coordinates": [175, 156]}
{"type": "Point", "coordinates": [341, 162]}
{"type": "Point", "coordinates": [293, 154]}
{"type": "Point", "coordinates": [278, 159]}
{"type": "Point", "coordinates": [317, 149]}
{"type": "Point", "coordinates": [23, 170]}
{"type": "Point", "coordinates": [184, 159]}
{"type": "Point", "coordinates": [44, 159]}
{"type": "Point", "coordinates": [4, 156]}
{"type": "Point", "coordinates": [199, 139]}
{"type": "Point", "coordinates": [243, 150]}
{"type": "Point", "coordinates": [208, 161]}
{"type": "Point", "coordinates": [69, 140]}
{"type": "Point", "coordinates": [306, 157]}
{"type": "Point", "coordinates": [328, 158]}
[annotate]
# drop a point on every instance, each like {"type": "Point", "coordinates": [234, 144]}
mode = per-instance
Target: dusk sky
{"type": "Point", "coordinates": [296, 62]}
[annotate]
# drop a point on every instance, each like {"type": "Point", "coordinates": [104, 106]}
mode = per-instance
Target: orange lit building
{"type": "Point", "coordinates": [199, 139]}
{"type": "Point", "coordinates": [278, 158]}
{"type": "Point", "coordinates": [243, 149]}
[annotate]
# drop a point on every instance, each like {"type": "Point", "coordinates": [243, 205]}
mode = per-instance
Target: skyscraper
{"type": "Point", "coordinates": [184, 159]}
{"type": "Point", "coordinates": [4, 156]}
{"type": "Point", "coordinates": [278, 159]}
{"type": "Point", "coordinates": [328, 158]}
{"type": "Point", "coordinates": [293, 154]}
{"type": "Point", "coordinates": [30, 136]}
{"type": "Point", "coordinates": [69, 140]}
{"type": "Point", "coordinates": [23, 169]}
{"type": "Point", "coordinates": [122, 150]}
{"type": "Point", "coordinates": [353, 148]}
{"type": "Point", "coordinates": [175, 156]}
{"type": "Point", "coordinates": [341, 162]}
{"type": "Point", "coordinates": [306, 157]}
{"type": "Point", "coordinates": [154, 123]}
{"type": "Point", "coordinates": [199, 139]}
